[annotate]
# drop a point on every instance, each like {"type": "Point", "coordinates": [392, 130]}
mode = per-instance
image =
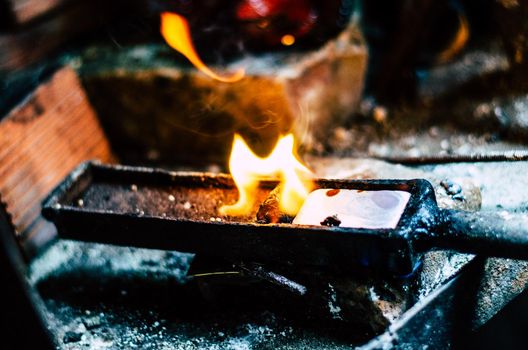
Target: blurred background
{"type": "Point", "coordinates": [448, 73]}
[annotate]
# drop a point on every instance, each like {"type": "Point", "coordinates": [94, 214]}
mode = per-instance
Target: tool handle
{"type": "Point", "coordinates": [499, 234]}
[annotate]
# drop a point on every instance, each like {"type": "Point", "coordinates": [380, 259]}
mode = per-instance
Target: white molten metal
{"type": "Point", "coordinates": [353, 208]}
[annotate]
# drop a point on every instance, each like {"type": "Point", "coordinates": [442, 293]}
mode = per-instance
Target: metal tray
{"type": "Point", "coordinates": [280, 244]}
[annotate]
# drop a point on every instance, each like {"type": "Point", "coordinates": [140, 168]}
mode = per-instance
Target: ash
{"type": "Point", "coordinates": [334, 308]}
{"type": "Point", "coordinates": [104, 297]}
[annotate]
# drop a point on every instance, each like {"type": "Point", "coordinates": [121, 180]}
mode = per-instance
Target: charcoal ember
{"type": "Point", "coordinates": [326, 301]}
{"type": "Point", "coordinates": [348, 299]}
{"type": "Point", "coordinates": [71, 337]}
{"type": "Point", "coordinates": [176, 112]}
{"type": "Point", "coordinates": [92, 322]}
{"type": "Point", "coordinates": [356, 303]}
{"type": "Point", "coordinates": [269, 211]}
{"type": "Point", "coordinates": [464, 194]}
{"type": "Point", "coordinates": [331, 221]}
{"type": "Point", "coordinates": [453, 189]}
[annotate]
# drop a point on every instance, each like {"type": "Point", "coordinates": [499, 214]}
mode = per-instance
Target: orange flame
{"type": "Point", "coordinates": [175, 31]}
{"type": "Point", "coordinates": [248, 169]}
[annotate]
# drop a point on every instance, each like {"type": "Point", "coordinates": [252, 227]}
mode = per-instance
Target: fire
{"type": "Point", "coordinates": [248, 169]}
{"type": "Point", "coordinates": [175, 31]}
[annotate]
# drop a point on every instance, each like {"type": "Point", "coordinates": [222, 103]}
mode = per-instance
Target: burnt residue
{"type": "Point", "coordinates": [72, 337]}
{"type": "Point", "coordinates": [452, 188]}
{"type": "Point", "coordinates": [332, 192]}
{"type": "Point", "coordinates": [331, 221]}
{"type": "Point", "coordinates": [177, 202]}
{"type": "Point", "coordinates": [269, 211]}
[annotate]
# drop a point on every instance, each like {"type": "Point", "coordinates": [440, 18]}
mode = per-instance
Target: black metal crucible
{"type": "Point", "coordinates": [147, 207]}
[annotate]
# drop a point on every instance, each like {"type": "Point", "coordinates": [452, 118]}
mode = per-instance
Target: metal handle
{"type": "Point", "coordinates": [500, 234]}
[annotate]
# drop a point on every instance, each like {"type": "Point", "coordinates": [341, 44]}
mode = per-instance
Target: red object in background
{"type": "Point", "coordinates": [272, 20]}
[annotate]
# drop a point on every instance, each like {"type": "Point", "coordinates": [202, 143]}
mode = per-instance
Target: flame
{"type": "Point", "coordinates": [248, 169]}
{"type": "Point", "coordinates": [175, 31]}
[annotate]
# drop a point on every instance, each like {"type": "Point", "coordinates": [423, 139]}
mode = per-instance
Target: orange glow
{"type": "Point", "coordinates": [175, 31]}
{"type": "Point", "coordinates": [458, 43]}
{"type": "Point", "coordinates": [288, 40]}
{"type": "Point", "coordinates": [248, 169]}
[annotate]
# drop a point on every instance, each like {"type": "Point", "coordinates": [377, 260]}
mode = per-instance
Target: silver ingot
{"type": "Point", "coordinates": [354, 208]}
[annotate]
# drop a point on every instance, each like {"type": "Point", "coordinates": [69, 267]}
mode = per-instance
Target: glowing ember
{"type": "Point", "coordinates": [175, 31]}
{"type": "Point", "coordinates": [288, 40]}
{"type": "Point", "coordinates": [248, 169]}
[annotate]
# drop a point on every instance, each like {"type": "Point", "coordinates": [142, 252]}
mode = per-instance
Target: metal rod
{"type": "Point", "coordinates": [508, 156]}
{"type": "Point", "coordinates": [272, 277]}
{"type": "Point", "coordinates": [501, 234]}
